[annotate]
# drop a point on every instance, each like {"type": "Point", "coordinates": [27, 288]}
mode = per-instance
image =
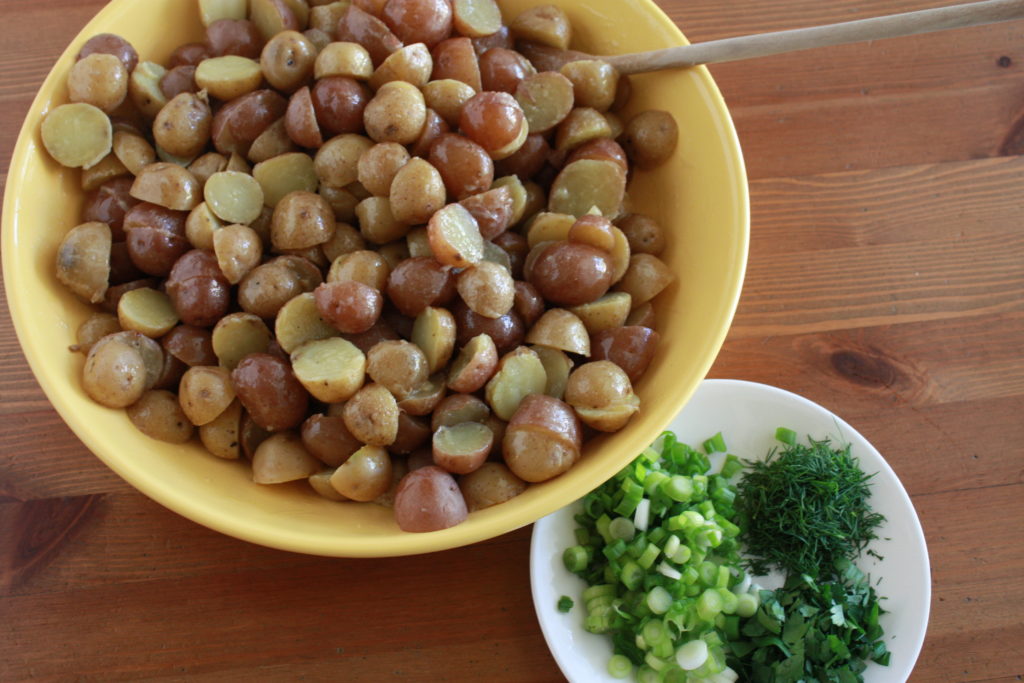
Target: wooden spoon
{"type": "Point", "coordinates": [747, 47]}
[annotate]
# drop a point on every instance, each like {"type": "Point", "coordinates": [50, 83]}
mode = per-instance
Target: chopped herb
{"type": "Point", "coordinates": [565, 603]}
{"type": "Point", "coordinates": [805, 508]}
{"type": "Point", "coordinates": [812, 630]}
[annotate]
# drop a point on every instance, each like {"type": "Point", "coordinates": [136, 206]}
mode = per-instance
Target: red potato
{"type": "Point", "coordinates": [492, 210]}
{"type": "Point", "coordinates": [282, 458]}
{"type": "Point", "coordinates": [352, 307]}
{"type": "Point", "coordinates": [462, 448]}
{"type": "Point", "coordinates": [489, 485]}
{"type": "Point", "coordinates": [543, 438]}
{"type": "Point", "coordinates": [475, 364]}
{"type": "Point", "coordinates": [419, 282]}
{"type": "Point", "coordinates": [428, 499]}
{"type": "Point", "coordinates": [455, 237]}
{"type": "Point", "coordinates": [413, 433]}
{"type": "Point", "coordinates": [268, 390]}
{"type": "Point", "coordinates": [327, 438]}
{"type": "Point", "coordinates": [570, 274]}
{"type": "Point", "coordinates": [458, 408]}
{"type": "Point", "coordinates": [365, 475]}
{"type": "Point", "coordinates": [631, 348]}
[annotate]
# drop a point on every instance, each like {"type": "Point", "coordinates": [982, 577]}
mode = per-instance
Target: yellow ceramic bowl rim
{"type": "Point", "coordinates": [204, 512]}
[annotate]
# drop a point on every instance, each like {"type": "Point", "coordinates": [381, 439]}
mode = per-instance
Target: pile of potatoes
{"type": "Point", "coordinates": [366, 244]}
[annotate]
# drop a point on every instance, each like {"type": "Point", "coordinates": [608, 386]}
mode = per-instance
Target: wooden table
{"type": "Point", "coordinates": [886, 282]}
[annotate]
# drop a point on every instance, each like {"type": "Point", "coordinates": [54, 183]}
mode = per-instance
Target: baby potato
{"type": "Point", "coordinates": [148, 311]}
{"type": "Point", "coordinates": [222, 435]}
{"type": "Point", "coordinates": [411, 63]}
{"type": "Point", "coordinates": [238, 250]}
{"type": "Point", "coordinates": [606, 313]}
{"type": "Point", "coordinates": [83, 261]}
{"type": "Point", "coordinates": [234, 197]}
{"type": "Point", "coordinates": [94, 328]}
{"type": "Point", "coordinates": [462, 448]}
{"type": "Point", "coordinates": [583, 125]}
{"type": "Point", "coordinates": [417, 191]}
{"type": "Point", "coordinates": [109, 43]}
{"type": "Point", "coordinates": [77, 135]}
{"type": "Point", "coordinates": [519, 374]}
{"type": "Point", "coordinates": [650, 138]}
{"type": "Point", "coordinates": [594, 83]}
{"type": "Point", "coordinates": [396, 113]}
{"type": "Point", "coordinates": [214, 10]}
{"type": "Point", "coordinates": [300, 121]}
{"type": "Point", "coordinates": [301, 220]}
{"type": "Point", "coordinates": [631, 348]}
{"type": "Point", "coordinates": [544, 24]}
{"type": "Point", "coordinates": [205, 392]}
{"type": "Point", "coordinates": [492, 211]}
{"type": "Point", "coordinates": [490, 484]}
{"type": "Point", "coordinates": [98, 79]}
{"type": "Point", "coordinates": [144, 88]}
{"type": "Point", "coordinates": [229, 76]}
{"type": "Point", "coordinates": [569, 273]}
{"type": "Point", "coordinates": [287, 60]}
{"type": "Point", "coordinates": [378, 165]}
{"type": "Point", "coordinates": [158, 415]}
{"type": "Point", "coordinates": [557, 366]}
{"type": "Point", "coordinates": [528, 303]}
{"type": "Point", "coordinates": [350, 60]}
{"type": "Point", "coordinates": [299, 321]}
{"type": "Point", "coordinates": [332, 370]}
{"type": "Point", "coordinates": [236, 335]}
{"type": "Point", "coordinates": [433, 332]}
{"type": "Point", "coordinates": [543, 439]}
{"type": "Point", "coordinates": [365, 475]}
{"type": "Point", "coordinates": [200, 226]}
{"type": "Point", "coordinates": [398, 365]}
{"type": "Point", "coordinates": [458, 408]}
{"type": "Point", "coordinates": [363, 265]}
{"type": "Point", "coordinates": [372, 415]}
{"type": "Point", "coordinates": [546, 99]}
{"type": "Point", "coordinates": [645, 235]}
{"type": "Point", "coordinates": [273, 141]}
{"type": "Point", "coordinates": [167, 185]}
{"type": "Point", "coordinates": [284, 174]}
{"type": "Point", "coordinates": [269, 392]}
{"type": "Point", "coordinates": [350, 306]}
{"type": "Point", "coordinates": [377, 222]}
{"type": "Point", "coordinates": [428, 499]}
{"type": "Point", "coordinates": [446, 97]}
{"type": "Point", "coordinates": [560, 329]}
{"type": "Point", "coordinates": [191, 345]}
{"type": "Point", "coordinates": [282, 458]}
{"type": "Point", "coordinates": [424, 398]}
{"type": "Point", "coordinates": [646, 277]}
{"type": "Point", "coordinates": [601, 394]}
{"type": "Point", "coordinates": [345, 240]}
{"type": "Point", "coordinates": [358, 26]}
{"type": "Point", "coordinates": [115, 373]}
{"type": "Point", "coordinates": [642, 315]}
{"type": "Point", "coordinates": [487, 288]}
{"type": "Point", "coordinates": [107, 169]}
{"type": "Point", "coordinates": [474, 366]}
{"type": "Point", "coordinates": [321, 481]}
{"type": "Point", "coordinates": [595, 231]}
{"type": "Point", "coordinates": [413, 432]}
{"type": "Point", "coordinates": [267, 288]}
{"type": "Point", "coordinates": [455, 237]}
{"type": "Point", "coordinates": [183, 126]}
{"type": "Point", "coordinates": [327, 438]}
{"type": "Point", "coordinates": [476, 18]}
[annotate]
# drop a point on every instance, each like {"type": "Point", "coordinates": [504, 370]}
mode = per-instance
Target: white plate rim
{"type": "Point", "coordinates": [564, 634]}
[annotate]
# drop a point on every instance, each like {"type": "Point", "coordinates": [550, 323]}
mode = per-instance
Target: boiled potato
{"type": "Point", "coordinates": [83, 260]}
{"type": "Point", "coordinates": [205, 392]}
{"type": "Point", "coordinates": [158, 415]}
{"type": "Point", "coordinates": [520, 373]}
{"type": "Point", "coordinates": [365, 475]}
{"type": "Point", "coordinates": [543, 439]}
{"type": "Point", "coordinates": [222, 435]}
{"type": "Point", "coordinates": [428, 499]}
{"type": "Point", "coordinates": [474, 366]}
{"type": "Point", "coordinates": [601, 394]}
{"type": "Point", "coordinates": [332, 370]}
{"type": "Point", "coordinates": [114, 374]}
{"type": "Point", "coordinates": [462, 448]}
{"type": "Point", "coordinates": [490, 484]}
{"type": "Point", "coordinates": [560, 329]}
{"type": "Point", "coordinates": [372, 415]}
{"type": "Point", "coordinates": [282, 458]}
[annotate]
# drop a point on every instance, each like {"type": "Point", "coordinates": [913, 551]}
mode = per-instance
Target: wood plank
{"type": "Point", "coordinates": [887, 206]}
{"type": "Point", "coordinates": [922, 363]}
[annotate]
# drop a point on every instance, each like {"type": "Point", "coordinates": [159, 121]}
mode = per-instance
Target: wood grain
{"type": "Point", "coordinates": [886, 282]}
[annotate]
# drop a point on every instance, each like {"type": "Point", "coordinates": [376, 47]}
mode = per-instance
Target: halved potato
{"type": "Point", "coordinates": [560, 329]}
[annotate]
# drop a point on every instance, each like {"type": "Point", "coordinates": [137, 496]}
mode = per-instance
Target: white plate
{"type": "Point", "coordinates": [747, 415]}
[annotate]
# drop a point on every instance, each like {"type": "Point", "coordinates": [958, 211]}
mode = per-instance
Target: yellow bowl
{"type": "Point", "coordinates": [700, 195]}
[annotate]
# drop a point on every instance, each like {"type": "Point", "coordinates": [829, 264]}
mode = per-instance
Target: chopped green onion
{"type": "Point", "coordinates": [666, 569]}
{"type": "Point", "coordinates": [565, 603]}
{"type": "Point", "coordinates": [655, 662]}
{"type": "Point", "coordinates": [575, 558]}
{"type": "Point", "coordinates": [785, 435]}
{"type": "Point", "coordinates": [715, 444]}
{"type": "Point", "coordinates": [692, 655]}
{"type": "Point", "coordinates": [678, 488]}
{"type": "Point", "coordinates": [642, 516]}
{"type": "Point", "coordinates": [646, 674]}
{"type": "Point", "coordinates": [709, 604]}
{"type": "Point", "coordinates": [632, 575]}
{"type": "Point", "coordinates": [621, 527]}
{"type": "Point", "coordinates": [648, 556]}
{"type": "Point", "coordinates": [659, 600]}
{"type": "Point", "coordinates": [731, 467]}
{"type": "Point", "coordinates": [746, 605]}
{"type": "Point", "coordinates": [619, 666]}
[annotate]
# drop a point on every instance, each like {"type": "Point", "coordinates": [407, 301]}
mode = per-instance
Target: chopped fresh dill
{"type": "Point", "coordinates": [804, 508]}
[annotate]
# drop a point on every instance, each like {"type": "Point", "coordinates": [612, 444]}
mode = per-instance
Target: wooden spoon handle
{"type": "Point", "coordinates": [761, 45]}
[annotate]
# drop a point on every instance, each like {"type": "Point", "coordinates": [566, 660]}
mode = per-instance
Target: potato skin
{"type": "Point", "coordinates": [271, 394]}
{"type": "Point", "coordinates": [543, 438]}
{"type": "Point", "coordinates": [428, 499]}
